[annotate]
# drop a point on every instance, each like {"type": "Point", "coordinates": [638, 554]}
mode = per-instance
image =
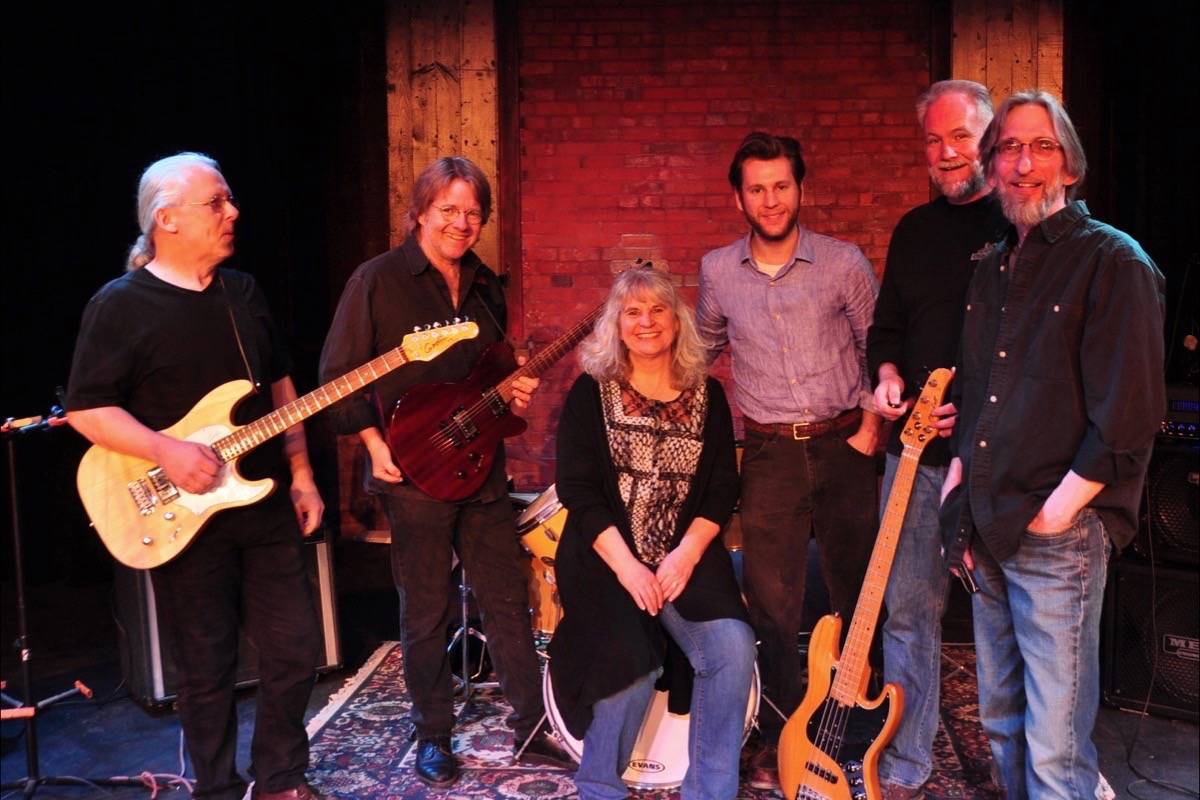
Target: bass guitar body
{"type": "Point", "coordinates": [817, 756]}
{"type": "Point", "coordinates": [444, 435]}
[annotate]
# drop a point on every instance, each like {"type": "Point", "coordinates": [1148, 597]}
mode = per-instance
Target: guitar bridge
{"type": "Point", "coordinates": [143, 497]}
{"type": "Point", "coordinates": [459, 428]}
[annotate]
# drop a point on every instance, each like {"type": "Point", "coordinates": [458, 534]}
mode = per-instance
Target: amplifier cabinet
{"type": "Point", "coordinates": [146, 662]}
{"type": "Point", "coordinates": [1151, 639]}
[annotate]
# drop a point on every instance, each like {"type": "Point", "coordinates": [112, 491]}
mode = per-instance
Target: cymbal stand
{"type": "Point", "coordinates": [466, 631]}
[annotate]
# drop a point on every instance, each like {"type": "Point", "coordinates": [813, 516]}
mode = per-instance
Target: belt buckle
{"type": "Point", "coordinates": [796, 436]}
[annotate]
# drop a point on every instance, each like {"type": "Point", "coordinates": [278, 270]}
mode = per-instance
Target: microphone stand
{"type": "Point", "coordinates": [27, 709]}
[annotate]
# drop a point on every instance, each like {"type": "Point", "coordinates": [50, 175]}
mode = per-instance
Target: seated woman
{"type": "Point", "coordinates": [646, 470]}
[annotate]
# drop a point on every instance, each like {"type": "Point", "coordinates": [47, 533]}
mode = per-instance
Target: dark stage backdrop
{"type": "Point", "coordinates": [292, 104]}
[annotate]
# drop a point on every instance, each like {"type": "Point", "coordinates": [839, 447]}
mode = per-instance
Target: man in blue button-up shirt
{"type": "Point", "coordinates": [794, 308]}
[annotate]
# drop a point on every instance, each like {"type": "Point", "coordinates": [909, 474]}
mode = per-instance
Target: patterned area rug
{"type": "Point", "coordinates": [361, 745]}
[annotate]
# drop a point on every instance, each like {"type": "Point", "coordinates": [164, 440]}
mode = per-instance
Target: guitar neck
{"type": "Point", "coordinates": [855, 654]}
{"type": "Point", "coordinates": [551, 353]}
{"type": "Point", "coordinates": [248, 437]}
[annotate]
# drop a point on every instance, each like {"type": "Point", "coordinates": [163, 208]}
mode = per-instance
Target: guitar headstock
{"type": "Point", "coordinates": [426, 344]}
{"type": "Point", "coordinates": [918, 428]}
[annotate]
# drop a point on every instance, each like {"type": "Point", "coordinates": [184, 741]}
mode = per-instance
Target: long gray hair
{"type": "Point", "coordinates": [157, 189]}
{"type": "Point", "coordinates": [604, 356]}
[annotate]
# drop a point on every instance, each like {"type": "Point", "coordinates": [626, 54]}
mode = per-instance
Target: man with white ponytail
{"type": "Point", "coordinates": [152, 343]}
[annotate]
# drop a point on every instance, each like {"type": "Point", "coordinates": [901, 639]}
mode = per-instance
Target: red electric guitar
{"type": "Point", "coordinates": [444, 435]}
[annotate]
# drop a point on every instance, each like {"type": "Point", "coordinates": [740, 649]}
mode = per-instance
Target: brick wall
{"type": "Point", "coordinates": [630, 112]}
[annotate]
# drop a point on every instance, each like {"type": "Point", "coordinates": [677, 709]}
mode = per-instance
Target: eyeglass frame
{"type": "Point", "coordinates": [217, 202]}
{"type": "Point", "coordinates": [1044, 154]}
{"type": "Point", "coordinates": [451, 213]}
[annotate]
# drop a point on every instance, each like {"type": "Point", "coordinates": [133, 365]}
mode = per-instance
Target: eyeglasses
{"type": "Point", "coordinates": [217, 202]}
{"type": "Point", "coordinates": [1039, 149]}
{"type": "Point", "coordinates": [452, 213]}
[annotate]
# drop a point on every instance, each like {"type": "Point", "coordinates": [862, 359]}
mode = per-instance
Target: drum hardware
{"type": "Point", "coordinates": [466, 630]}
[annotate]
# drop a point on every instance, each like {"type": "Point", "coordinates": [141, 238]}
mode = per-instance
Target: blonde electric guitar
{"type": "Point", "coordinates": [815, 758]}
{"type": "Point", "coordinates": [145, 520]}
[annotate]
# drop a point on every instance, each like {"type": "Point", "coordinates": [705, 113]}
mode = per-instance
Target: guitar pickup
{"type": "Point", "coordinates": [495, 403]}
{"type": "Point", "coordinates": [163, 487]}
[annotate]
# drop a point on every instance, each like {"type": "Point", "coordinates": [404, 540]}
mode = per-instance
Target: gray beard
{"type": "Point", "coordinates": [1033, 212]}
{"type": "Point", "coordinates": [958, 191]}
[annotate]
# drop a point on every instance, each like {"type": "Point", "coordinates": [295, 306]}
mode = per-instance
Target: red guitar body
{"type": "Point", "coordinates": [444, 435]}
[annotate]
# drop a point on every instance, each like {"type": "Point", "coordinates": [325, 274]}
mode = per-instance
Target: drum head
{"type": "Point", "coordinates": [660, 756]}
{"type": "Point", "coordinates": [545, 506]}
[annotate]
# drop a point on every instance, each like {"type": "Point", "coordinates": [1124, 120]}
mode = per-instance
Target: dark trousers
{"type": "Point", "coordinates": [425, 534]}
{"type": "Point", "coordinates": [792, 490]}
{"type": "Point", "coordinates": [253, 575]}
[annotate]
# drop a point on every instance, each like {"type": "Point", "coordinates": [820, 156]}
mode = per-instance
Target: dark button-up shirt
{"type": "Point", "coordinates": [383, 301]}
{"type": "Point", "coordinates": [799, 339]}
{"type": "Point", "coordinates": [1061, 369]}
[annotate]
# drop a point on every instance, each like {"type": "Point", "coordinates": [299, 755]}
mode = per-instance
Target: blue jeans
{"type": "Point", "coordinates": [1037, 636]}
{"type": "Point", "coordinates": [912, 633]}
{"type": "Point", "coordinates": [721, 652]}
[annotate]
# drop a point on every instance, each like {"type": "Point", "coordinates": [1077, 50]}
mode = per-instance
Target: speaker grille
{"type": "Point", "coordinates": [1171, 529]}
{"type": "Point", "coordinates": [1153, 613]}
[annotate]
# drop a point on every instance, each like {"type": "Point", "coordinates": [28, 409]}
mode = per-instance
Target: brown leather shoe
{"type": "Point", "coordinates": [301, 792]}
{"type": "Point", "coordinates": [763, 770]}
{"type": "Point", "coordinates": [896, 791]}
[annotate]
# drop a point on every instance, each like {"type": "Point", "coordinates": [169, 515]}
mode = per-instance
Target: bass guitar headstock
{"type": "Point", "coordinates": [918, 428]}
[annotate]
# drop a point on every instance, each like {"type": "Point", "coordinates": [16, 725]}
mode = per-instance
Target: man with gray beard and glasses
{"type": "Point", "coordinates": [918, 316]}
{"type": "Point", "coordinates": [1060, 391]}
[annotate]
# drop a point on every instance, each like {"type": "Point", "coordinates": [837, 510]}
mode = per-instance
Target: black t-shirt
{"type": "Point", "coordinates": [919, 313]}
{"type": "Point", "coordinates": [155, 349]}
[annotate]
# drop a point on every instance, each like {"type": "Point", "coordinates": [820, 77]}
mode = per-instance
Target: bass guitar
{"type": "Point", "coordinates": [145, 520]}
{"type": "Point", "coordinates": [815, 758]}
{"type": "Point", "coordinates": [443, 436]}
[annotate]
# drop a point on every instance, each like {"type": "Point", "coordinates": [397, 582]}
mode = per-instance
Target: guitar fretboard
{"type": "Point", "coordinates": [551, 353]}
{"type": "Point", "coordinates": [918, 432]}
{"type": "Point", "coordinates": [248, 437]}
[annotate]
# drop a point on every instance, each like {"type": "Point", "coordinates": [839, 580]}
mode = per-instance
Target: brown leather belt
{"type": "Point", "coordinates": [805, 430]}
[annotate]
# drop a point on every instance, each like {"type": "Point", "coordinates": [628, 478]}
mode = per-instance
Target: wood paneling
{"type": "Point", "coordinates": [441, 98]}
{"type": "Point", "coordinates": [1009, 45]}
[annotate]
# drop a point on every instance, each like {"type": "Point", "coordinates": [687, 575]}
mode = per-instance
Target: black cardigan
{"type": "Point", "coordinates": [604, 642]}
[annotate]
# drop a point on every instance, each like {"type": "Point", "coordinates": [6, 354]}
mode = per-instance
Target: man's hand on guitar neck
{"type": "Point", "coordinates": [523, 387]}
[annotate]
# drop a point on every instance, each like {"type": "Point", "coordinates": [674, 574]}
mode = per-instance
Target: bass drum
{"type": "Point", "coordinates": [660, 756]}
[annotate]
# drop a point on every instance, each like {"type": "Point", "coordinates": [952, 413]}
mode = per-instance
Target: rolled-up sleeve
{"type": "Point", "coordinates": [1122, 367]}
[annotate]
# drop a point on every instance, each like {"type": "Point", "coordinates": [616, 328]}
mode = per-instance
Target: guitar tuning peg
{"type": "Point", "coordinates": [428, 326]}
{"type": "Point", "coordinates": [416, 328]}
{"type": "Point", "coordinates": [457, 320]}
{"type": "Point", "coordinates": [437, 324]}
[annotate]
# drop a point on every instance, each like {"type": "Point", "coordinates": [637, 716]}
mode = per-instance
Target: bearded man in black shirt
{"type": "Point", "coordinates": [918, 317]}
{"type": "Point", "coordinates": [1060, 391]}
{"type": "Point", "coordinates": [152, 343]}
